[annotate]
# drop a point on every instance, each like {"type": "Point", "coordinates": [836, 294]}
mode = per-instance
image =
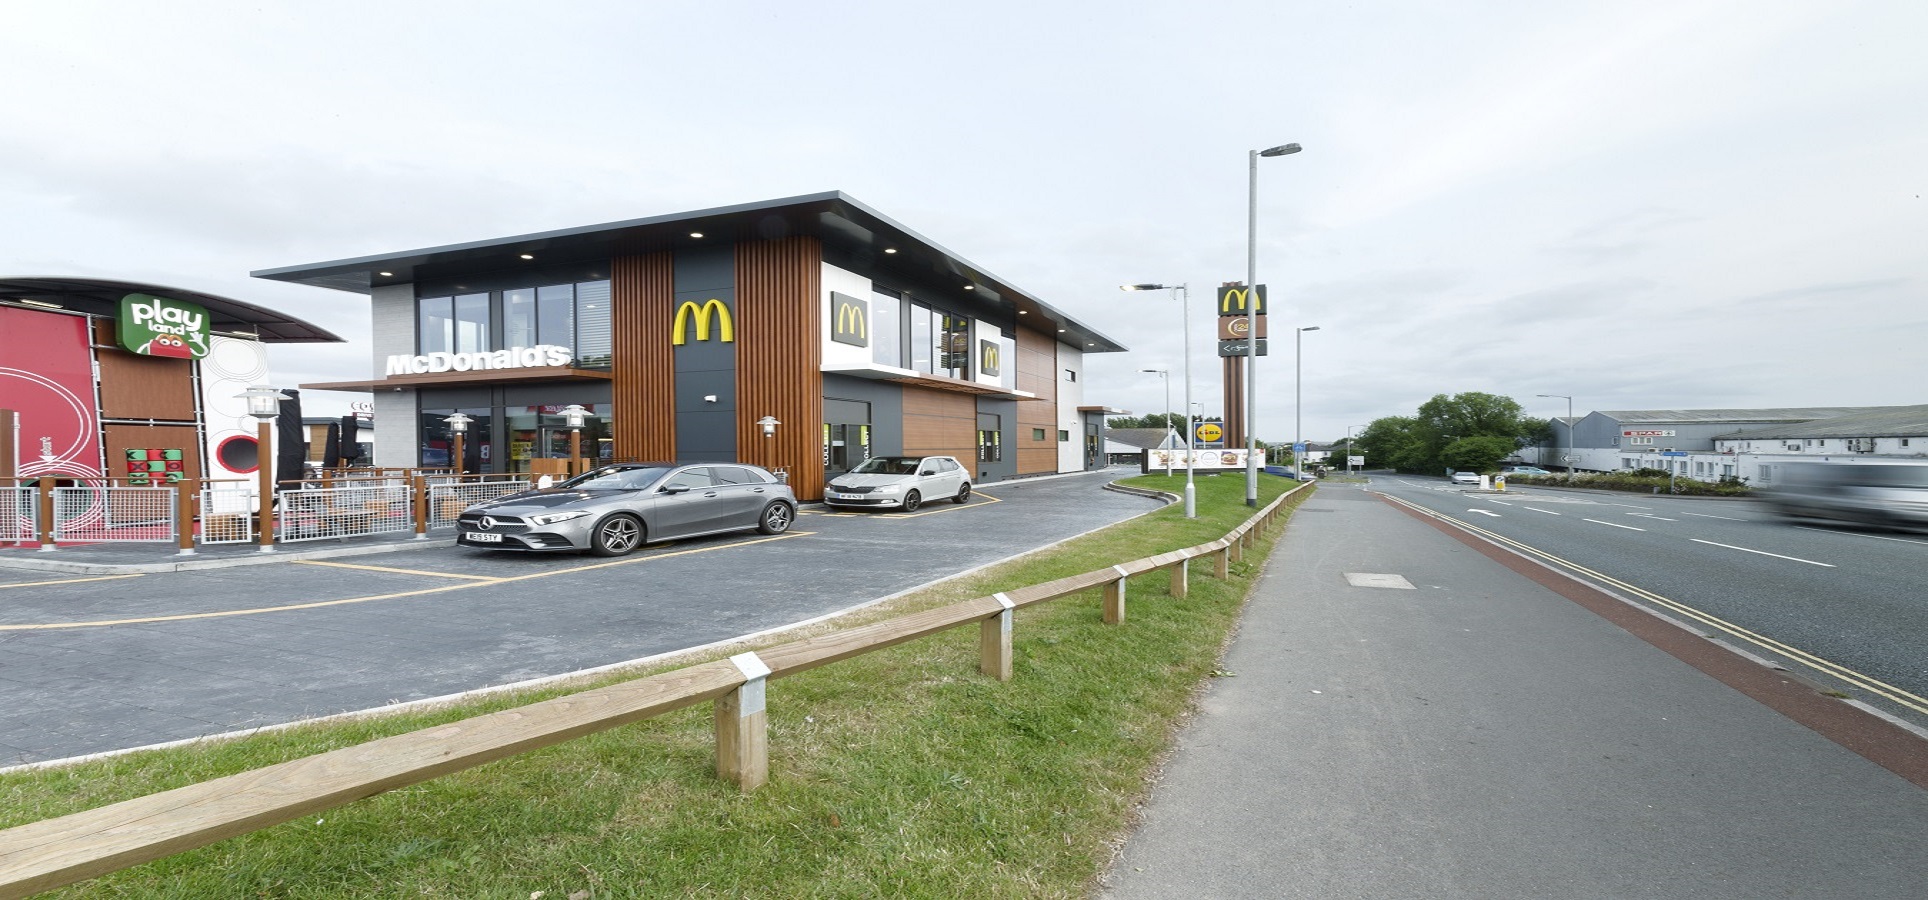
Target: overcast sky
{"type": "Point", "coordinates": [1671, 204]}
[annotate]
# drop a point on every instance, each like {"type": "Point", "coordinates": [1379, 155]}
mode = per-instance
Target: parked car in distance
{"type": "Point", "coordinates": [1524, 470]}
{"type": "Point", "coordinates": [1286, 472]}
{"type": "Point", "coordinates": [1885, 495]}
{"type": "Point", "coordinates": [904, 482]}
{"type": "Point", "coordinates": [1471, 478]}
{"type": "Point", "coordinates": [615, 509]}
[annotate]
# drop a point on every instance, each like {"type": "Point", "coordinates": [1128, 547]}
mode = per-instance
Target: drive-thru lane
{"type": "Point", "coordinates": [1849, 608]}
{"type": "Point", "coordinates": [90, 664]}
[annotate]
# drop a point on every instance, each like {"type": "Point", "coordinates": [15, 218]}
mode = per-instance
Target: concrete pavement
{"type": "Point", "coordinates": [1477, 734]}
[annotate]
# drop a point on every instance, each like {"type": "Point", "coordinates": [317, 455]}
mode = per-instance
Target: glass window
{"type": "Point", "coordinates": [886, 329]}
{"type": "Point", "coordinates": [592, 325]}
{"type": "Point", "coordinates": [472, 323]}
{"type": "Point", "coordinates": [922, 339]}
{"type": "Point", "coordinates": [519, 318]}
{"type": "Point", "coordinates": [435, 329]}
{"type": "Point", "coordinates": [954, 346]}
{"type": "Point", "coordinates": [698, 477]}
{"type": "Point", "coordinates": [735, 475]}
{"type": "Point", "coordinates": [556, 316]}
{"type": "Point", "coordinates": [1037, 434]}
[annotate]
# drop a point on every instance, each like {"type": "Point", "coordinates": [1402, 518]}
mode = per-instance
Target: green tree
{"type": "Point", "coordinates": [1479, 453]}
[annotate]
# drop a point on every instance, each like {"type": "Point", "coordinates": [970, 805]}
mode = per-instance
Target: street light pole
{"type": "Point", "coordinates": [1251, 334]}
{"type": "Point", "coordinates": [1185, 306]}
{"type": "Point", "coordinates": [1298, 435]}
{"type": "Point", "coordinates": [1569, 432]}
{"type": "Point", "coordinates": [1167, 376]}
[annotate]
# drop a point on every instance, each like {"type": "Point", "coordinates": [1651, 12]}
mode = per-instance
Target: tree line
{"type": "Point", "coordinates": [1466, 431]}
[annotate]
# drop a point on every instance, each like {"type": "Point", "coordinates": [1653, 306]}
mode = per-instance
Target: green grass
{"type": "Point", "coordinates": [902, 773]}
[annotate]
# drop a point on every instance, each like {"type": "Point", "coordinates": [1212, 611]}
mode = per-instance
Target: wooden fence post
{"type": "Point", "coordinates": [419, 484]}
{"type": "Point", "coordinates": [46, 523]}
{"type": "Point", "coordinates": [1181, 578]}
{"type": "Point", "coordinates": [1236, 549]}
{"type": "Point", "coordinates": [1115, 598]}
{"type": "Point", "coordinates": [994, 642]}
{"type": "Point", "coordinates": [1225, 562]}
{"type": "Point", "coordinates": [185, 491]}
{"type": "Point", "coordinates": [742, 727]}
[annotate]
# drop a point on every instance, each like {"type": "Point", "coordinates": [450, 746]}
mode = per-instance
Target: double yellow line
{"type": "Point", "coordinates": [1835, 670]}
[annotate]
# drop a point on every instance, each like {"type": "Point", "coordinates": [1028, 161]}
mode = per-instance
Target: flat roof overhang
{"type": "Point", "coordinates": [843, 224]}
{"type": "Point", "coordinates": [102, 297]}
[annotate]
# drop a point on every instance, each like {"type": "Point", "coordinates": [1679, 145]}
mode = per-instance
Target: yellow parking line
{"type": "Point", "coordinates": [71, 580]}
{"type": "Point", "coordinates": [316, 562]}
{"type": "Point", "coordinates": [51, 626]}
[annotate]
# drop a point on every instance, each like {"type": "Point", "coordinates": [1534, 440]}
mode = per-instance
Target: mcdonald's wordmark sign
{"type": "Point", "coordinates": [712, 316]}
{"type": "Point", "coordinates": [850, 317]}
{"type": "Point", "coordinates": [1234, 298]}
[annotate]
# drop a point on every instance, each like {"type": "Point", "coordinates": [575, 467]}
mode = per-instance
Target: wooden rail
{"type": "Point", "coordinates": [44, 855]}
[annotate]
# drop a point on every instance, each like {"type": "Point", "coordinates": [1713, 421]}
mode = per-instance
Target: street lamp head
{"type": "Point", "coordinates": [1156, 371]}
{"type": "Point", "coordinates": [264, 402]}
{"type": "Point", "coordinates": [574, 414]}
{"type": "Point", "coordinates": [458, 423]}
{"type": "Point", "coordinates": [1310, 328]}
{"type": "Point", "coordinates": [1281, 150]}
{"type": "Point", "coordinates": [769, 425]}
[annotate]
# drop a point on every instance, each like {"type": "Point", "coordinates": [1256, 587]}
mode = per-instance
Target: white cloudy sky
{"type": "Point", "coordinates": [1678, 203]}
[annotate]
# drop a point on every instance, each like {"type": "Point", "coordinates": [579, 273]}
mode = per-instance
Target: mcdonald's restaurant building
{"type": "Point", "coordinates": [682, 334]}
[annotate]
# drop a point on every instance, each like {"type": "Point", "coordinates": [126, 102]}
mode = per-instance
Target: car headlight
{"type": "Point", "coordinates": [553, 518]}
{"type": "Point", "coordinates": [889, 488]}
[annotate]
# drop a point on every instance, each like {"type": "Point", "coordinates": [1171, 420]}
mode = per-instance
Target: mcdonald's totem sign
{"type": "Point", "coordinates": [1233, 300]}
{"type": "Point", "coordinates": [850, 320]}
{"type": "Point", "coordinates": [702, 315]}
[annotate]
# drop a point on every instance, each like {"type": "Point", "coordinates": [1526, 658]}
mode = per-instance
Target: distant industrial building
{"type": "Point", "coordinates": [1745, 444]}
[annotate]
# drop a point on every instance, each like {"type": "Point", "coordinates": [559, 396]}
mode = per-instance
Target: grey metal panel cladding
{"type": "Point", "coordinates": [886, 408]}
{"type": "Point", "coordinates": [705, 430]}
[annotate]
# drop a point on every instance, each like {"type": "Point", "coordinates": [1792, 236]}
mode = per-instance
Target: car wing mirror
{"type": "Point", "coordinates": [676, 489]}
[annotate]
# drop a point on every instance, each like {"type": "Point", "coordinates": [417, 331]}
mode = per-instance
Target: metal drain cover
{"type": "Point", "coordinates": [1375, 580]}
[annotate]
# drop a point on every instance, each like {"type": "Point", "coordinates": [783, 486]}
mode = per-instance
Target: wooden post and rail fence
{"type": "Point", "coordinates": [44, 855]}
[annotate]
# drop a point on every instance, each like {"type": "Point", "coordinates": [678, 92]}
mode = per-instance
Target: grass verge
{"type": "Point", "coordinates": [902, 773]}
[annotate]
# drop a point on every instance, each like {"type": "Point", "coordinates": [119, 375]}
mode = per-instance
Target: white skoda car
{"type": "Point", "coordinates": [904, 482]}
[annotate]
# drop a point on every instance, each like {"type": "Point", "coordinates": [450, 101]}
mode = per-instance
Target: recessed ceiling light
{"type": "Point", "coordinates": [1060, 331]}
{"type": "Point", "coordinates": [527, 256]}
{"type": "Point", "coordinates": [890, 249]}
{"type": "Point", "coordinates": [1024, 312]}
{"type": "Point", "coordinates": [386, 274]}
{"type": "Point", "coordinates": [970, 287]}
{"type": "Point", "coordinates": [696, 234]}
{"type": "Point", "coordinates": [43, 304]}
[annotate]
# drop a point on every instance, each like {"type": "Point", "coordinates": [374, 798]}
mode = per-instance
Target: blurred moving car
{"type": "Point", "coordinates": [1524, 470]}
{"type": "Point", "coordinates": [901, 481]}
{"type": "Point", "coordinates": [615, 509]}
{"type": "Point", "coordinates": [1887, 495]}
{"type": "Point", "coordinates": [1471, 478]}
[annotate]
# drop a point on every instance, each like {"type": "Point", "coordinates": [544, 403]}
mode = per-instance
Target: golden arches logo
{"type": "Point", "coordinates": [1233, 300]}
{"type": "Point", "coordinates": [990, 357]}
{"type": "Point", "coordinates": [726, 329]}
{"type": "Point", "coordinates": [851, 320]}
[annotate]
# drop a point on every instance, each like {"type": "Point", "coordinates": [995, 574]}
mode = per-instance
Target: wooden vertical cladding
{"type": "Point", "coordinates": [1037, 374]}
{"type": "Point", "coordinates": [779, 357]}
{"type": "Point", "coordinates": [940, 423]}
{"type": "Point", "coordinates": [133, 386]}
{"type": "Point", "coordinates": [644, 377]}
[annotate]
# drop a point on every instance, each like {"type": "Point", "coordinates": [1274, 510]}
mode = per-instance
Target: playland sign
{"type": "Point", "coordinates": [157, 326]}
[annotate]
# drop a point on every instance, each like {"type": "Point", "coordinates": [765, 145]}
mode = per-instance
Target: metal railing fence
{"type": "Point", "coordinates": [96, 513]}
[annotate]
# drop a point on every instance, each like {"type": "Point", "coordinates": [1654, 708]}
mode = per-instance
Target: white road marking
{"type": "Point", "coordinates": [1628, 505]}
{"type": "Point", "coordinates": [1614, 525]}
{"type": "Point", "coordinates": [1878, 537]}
{"type": "Point", "coordinates": [1539, 510]}
{"type": "Point", "coordinates": [1652, 516]}
{"type": "Point", "coordinates": [1500, 502]}
{"type": "Point", "coordinates": [1485, 512]}
{"type": "Point", "coordinates": [1708, 516]}
{"type": "Point", "coordinates": [1765, 553]}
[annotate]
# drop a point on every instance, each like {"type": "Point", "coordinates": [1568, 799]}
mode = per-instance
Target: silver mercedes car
{"type": "Point", "coordinates": [615, 509]}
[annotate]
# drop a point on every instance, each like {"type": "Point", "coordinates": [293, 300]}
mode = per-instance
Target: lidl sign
{"type": "Point", "coordinates": [158, 326]}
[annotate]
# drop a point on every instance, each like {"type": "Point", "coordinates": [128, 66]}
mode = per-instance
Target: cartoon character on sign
{"type": "Point", "coordinates": [168, 345]}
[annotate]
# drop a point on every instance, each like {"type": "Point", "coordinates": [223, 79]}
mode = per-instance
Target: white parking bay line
{"type": "Point", "coordinates": [1765, 553]}
{"type": "Point", "coordinates": [1485, 512]}
{"type": "Point", "coordinates": [1613, 524]}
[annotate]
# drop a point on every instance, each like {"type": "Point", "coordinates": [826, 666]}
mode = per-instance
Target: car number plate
{"type": "Point", "coordinates": [478, 537]}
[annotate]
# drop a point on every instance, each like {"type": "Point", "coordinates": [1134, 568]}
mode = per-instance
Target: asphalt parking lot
{"type": "Point", "coordinates": [94, 663]}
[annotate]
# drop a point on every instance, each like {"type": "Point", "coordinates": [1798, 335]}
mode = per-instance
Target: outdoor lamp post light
{"type": "Point", "coordinates": [769, 425]}
{"type": "Point", "coordinates": [1185, 308]}
{"type": "Point", "coordinates": [1569, 432]}
{"type": "Point", "coordinates": [264, 404]}
{"type": "Point", "coordinates": [574, 415]}
{"type": "Point", "coordinates": [1166, 375]}
{"type": "Point", "coordinates": [1251, 335]}
{"type": "Point", "coordinates": [1298, 434]}
{"type": "Point", "coordinates": [458, 426]}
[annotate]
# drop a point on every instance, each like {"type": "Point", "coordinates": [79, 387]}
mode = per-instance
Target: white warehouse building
{"type": "Point", "coordinates": [1747, 444]}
